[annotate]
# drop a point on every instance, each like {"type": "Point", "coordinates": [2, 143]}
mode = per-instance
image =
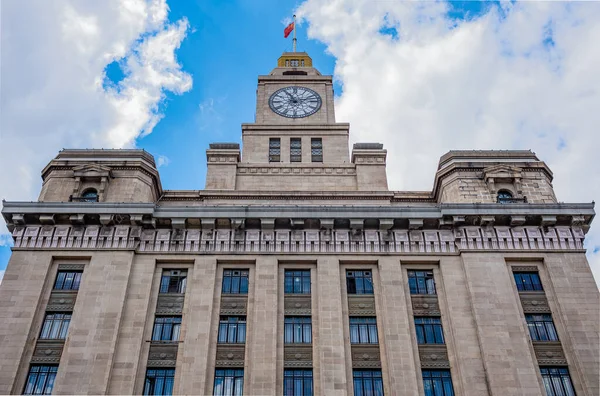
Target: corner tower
{"type": "Point", "coordinates": [295, 143]}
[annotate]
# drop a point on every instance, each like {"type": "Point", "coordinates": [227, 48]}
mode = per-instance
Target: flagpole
{"type": "Point", "coordinates": [294, 41]}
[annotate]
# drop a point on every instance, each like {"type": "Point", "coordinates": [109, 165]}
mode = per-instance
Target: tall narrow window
{"type": "Point", "coordinates": [159, 382]}
{"type": "Point", "coordinates": [359, 282]}
{"type": "Point", "coordinates": [297, 282]}
{"type": "Point", "coordinates": [40, 380]}
{"type": "Point", "coordinates": [557, 381]}
{"type": "Point", "coordinates": [429, 330]}
{"type": "Point", "coordinates": [367, 382]}
{"type": "Point", "coordinates": [316, 149]}
{"type": "Point", "coordinates": [528, 281]}
{"type": "Point", "coordinates": [274, 150]}
{"type": "Point", "coordinates": [55, 326]}
{"type": "Point", "coordinates": [232, 330]}
{"type": "Point", "coordinates": [437, 383]}
{"type": "Point", "coordinates": [297, 330]}
{"type": "Point", "coordinates": [235, 282]}
{"type": "Point", "coordinates": [228, 382]}
{"type": "Point", "coordinates": [173, 281]}
{"type": "Point", "coordinates": [67, 280]}
{"type": "Point", "coordinates": [421, 282]}
{"type": "Point", "coordinates": [295, 150]}
{"type": "Point", "coordinates": [363, 330]}
{"type": "Point", "coordinates": [166, 328]}
{"type": "Point", "coordinates": [541, 327]}
{"type": "Point", "coordinates": [298, 382]}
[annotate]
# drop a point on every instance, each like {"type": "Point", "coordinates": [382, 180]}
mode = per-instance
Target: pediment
{"type": "Point", "coordinates": [91, 170]}
{"type": "Point", "coordinates": [502, 171]}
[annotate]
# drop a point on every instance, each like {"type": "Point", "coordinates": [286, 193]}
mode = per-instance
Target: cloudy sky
{"type": "Point", "coordinates": [420, 77]}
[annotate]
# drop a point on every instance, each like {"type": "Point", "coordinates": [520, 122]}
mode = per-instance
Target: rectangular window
{"type": "Point", "coordinates": [302, 63]}
{"type": "Point", "coordinates": [40, 380]}
{"type": "Point", "coordinates": [363, 330]}
{"type": "Point", "coordinates": [429, 330]}
{"type": "Point", "coordinates": [316, 149]}
{"type": "Point", "coordinates": [67, 280]}
{"type": "Point", "coordinates": [297, 330]}
{"type": "Point", "coordinates": [297, 282]}
{"type": "Point", "coordinates": [437, 383]}
{"type": "Point", "coordinates": [228, 382]}
{"type": "Point", "coordinates": [274, 150]}
{"type": "Point", "coordinates": [232, 330]}
{"type": "Point", "coordinates": [55, 326]}
{"type": "Point", "coordinates": [166, 328]}
{"type": "Point", "coordinates": [173, 281]}
{"type": "Point", "coordinates": [159, 382]}
{"type": "Point", "coordinates": [294, 62]}
{"type": "Point", "coordinates": [557, 381]}
{"type": "Point", "coordinates": [367, 382]}
{"type": "Point", "coordinates": [421, 282]}
{"type": "Point", "coordinates": [298, 382]}
{"type": "Point", "coordinates": [528, 281]}
{"type": "Point", "coordinates": [541, 327]}
{"type": "Point", "coordinates": [235, 282]}
{"type": "Point", "coordinates": [359, 282]}
{"type": "Point", "coordinates": [295, 150]}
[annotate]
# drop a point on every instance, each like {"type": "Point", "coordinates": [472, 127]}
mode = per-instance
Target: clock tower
{"type": "Point", "coordinates": [295, 143]}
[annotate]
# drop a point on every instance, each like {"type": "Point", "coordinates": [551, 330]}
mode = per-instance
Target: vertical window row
{"type": "Point", "coordinates": [316, 149]}
{"type": "Point", "coordinates": [295, 150]}
{"type": "Point", "coordinates": [542, 332]}
{"type": "Point", "coordinates": [274, 150]}
{"type": "Point", "coordinates": [166, 333]}
{"type": "Point", "coordinates": [429, 332]}
{"type": "Point", "coordinates": [297, 333]}
{"type": "Point", "coordinates": [231, 336]}
{"type": "Point", "coordinates": [54, 330]}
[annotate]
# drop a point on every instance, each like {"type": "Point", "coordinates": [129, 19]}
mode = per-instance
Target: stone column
{"type": "Point", "coordinates": [261, 343]}
{"type": "Point", "coordinates": [330, 345]}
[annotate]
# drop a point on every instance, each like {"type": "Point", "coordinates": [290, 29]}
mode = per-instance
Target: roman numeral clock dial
{"type": "Point", "coordinates": [295, 102]}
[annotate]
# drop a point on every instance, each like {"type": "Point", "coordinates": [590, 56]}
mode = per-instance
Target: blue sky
{"type": "Point", "coordinates": [228, 43]}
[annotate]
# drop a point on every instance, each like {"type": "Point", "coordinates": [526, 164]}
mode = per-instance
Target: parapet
{"type": "Point", "coordinates": [99, 175]}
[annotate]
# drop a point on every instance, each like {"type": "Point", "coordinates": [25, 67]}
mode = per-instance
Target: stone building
{"type": "Point", "coordinates": [296, 271]}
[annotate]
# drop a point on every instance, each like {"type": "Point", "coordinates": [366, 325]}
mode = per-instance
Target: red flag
{"type": "Point", "coordinates": [288, 30]}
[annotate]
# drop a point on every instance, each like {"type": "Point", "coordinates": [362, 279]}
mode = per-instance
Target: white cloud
{"type": "Point", "coordinates": [162, 160]}
{"type": "Point", "coordinates": [54, 54]}
{"type": "Point", "coordinates": [525, 76]}
{"type": "Point", "coordinates": [1, 275]}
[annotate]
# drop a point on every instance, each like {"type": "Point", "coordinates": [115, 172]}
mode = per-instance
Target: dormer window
{"type": "Point", "coordinates": [504, 197]}
{"type": "Point", "coordinates": [89, 195]}
{"type": "Point", "coordinates": [294, 62]}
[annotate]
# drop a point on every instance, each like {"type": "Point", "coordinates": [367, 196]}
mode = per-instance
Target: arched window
{"type": "Point", "coordinates": [504, 197]}
{"type": "Point", "coordinates": [90, 195]}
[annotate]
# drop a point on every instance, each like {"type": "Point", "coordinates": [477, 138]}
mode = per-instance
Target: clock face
{"type": "Point", "coordinates": [295, 102]}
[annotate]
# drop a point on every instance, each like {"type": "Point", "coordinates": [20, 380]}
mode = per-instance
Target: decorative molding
{"type": "Point", "coordinates": [433, 356]}
{"type": "Point", "coordinates": [298, 355]}
{"type": "Point", "coordinates": [47, 351]}
{"type": "Point", "coordinates": [534, 302]}
{"type": "Point", "coordinates": [297, 304]}
{"type": "Point", "coordinates": [549, 353]}
{"type": "Point", "coordinates": [209, 240]}
{"type": "Point", "coordinates": [295, 171]}
{"type": "Point", "coordinates": [62, 300]}
{"type": "Point", "coordinates": [365, 356]}
{"type": "Point", "coordinates": [361, 305]}
{"type": "Point", "coordinates": [425, 305]}
{"type": "Point", "coordinates": [234, 304]}
{"type": "Point", "coordinates": [163, 354]}
{"type": "Point", "coordinates": [230, 355]}
{"type": "Point", "coordinates": [170, 303]}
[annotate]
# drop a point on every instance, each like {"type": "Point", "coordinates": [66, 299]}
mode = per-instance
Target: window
{"type": "Point", "coordinates": [297, 330]}
{"type": "Point", "coordinates": [232, 330]}
{"type": "Point", "coordinates": [159, 382]}
{"type": "Point", "coordinates": [274, 150]}
{"type": "Point", "coordinates": [302, 63]}
{"type": "Point", "coordinates": [55, 326]}
{"type": "Point", "coordinates": [437, 383]}
{"type": "Point", "coordinates": [173, 281]}
{"type": "Point", "coordinates": [297, 382]}
{"type": "Point", "coordinates": [40, 380]}
{"type": "Point", "coordinates": [67, 280]}
{"type": "Point", "coordinates": [359, 282]}
{"type": "Point", "coordinates": [421, 282]}
{"type": "Point", "coordinates": [367, 382]}
{"type": "Point", "coordinates": [228, 382]}
{"type": "Point", "coordinates": [166, 328]}
{"type": "Point", "coordinates": [90, 195]}
{"type": "Point", "coordinates": [504, 197]}
{"type": "Point", "coordinates": [295, 150]}
{"type": "Point", "coordinates": [528, 281]}
{"type": "Point", "coordinates": [557, 381]}
{"type": "Point", "coordinates": [287, 63]}
{"type": "Point", "coordinates": [235, 282]}
{"type": "Point", "coordinates": [297, 282]}
{"type": "Point", "coordinates": [363, 330]}
{"type": "Point", "coordinates": [429, 330]}
{"type": "Point", "coordinates": [316, 149]}
{"type": "Point", "coordinates": [541, 327]}
{"type": "Point", "coordinates": [294, 62]}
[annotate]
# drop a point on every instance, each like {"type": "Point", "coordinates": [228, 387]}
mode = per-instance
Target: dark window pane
{"type": "Point", "coordinates": [359, 282]}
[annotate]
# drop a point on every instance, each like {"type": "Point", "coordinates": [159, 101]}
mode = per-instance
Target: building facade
{"type": "Point", "coordinates": [296, 271]}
